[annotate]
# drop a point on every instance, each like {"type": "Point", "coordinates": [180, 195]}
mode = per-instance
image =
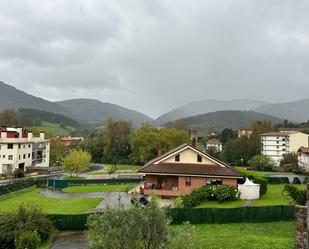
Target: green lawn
{"type": "Point", "coordinates": [274, 235]}
{"type": "Point", "coordinates": [48, 205]}
{"type": "Point", "coordinates": [55, 129]}
{"type": "Point", "coordinates": [274, 196]}
{"type": "Point", "coordinates": [260, 173]}
{"type": "Point", "coordinates": [120, 169]}
{"type": "Point", "coordinates": [100, 188]}
{"type": "Point", "coordinates": [226, 204]}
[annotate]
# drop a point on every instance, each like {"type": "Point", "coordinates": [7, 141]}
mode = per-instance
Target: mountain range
{"type": "Point", "coordinates": [94, 111]}
{"type": "Point", "coordinates": [82, 110]}
{"type": "Point", "coordinates": [217, 121]}
{"type": "Point", "coordinates": [206, 106]}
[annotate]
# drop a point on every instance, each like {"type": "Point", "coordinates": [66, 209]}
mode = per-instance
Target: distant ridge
{"type": "Point", "coordinates": [217, 121]}
{"type": "Point", "coordinates": [11, 97]}
{"type": "Point", "coordinates": [85, 110]}
{"type": "Point", "coordinates": [297, 111]}
{"type": "Point", "coordinates": [92, 110]}
{"type": "Point", "coordinates": [206, 106]}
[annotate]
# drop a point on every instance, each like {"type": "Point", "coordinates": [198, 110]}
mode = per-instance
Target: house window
{"type": "Point", "coordinates": [10, 146]}
{"type": "Point", "coordinates": [24, 156]}
{"type": "Point", "coordinates": [188, 181]}
{"type": "Point", "coordinates": [177, 158]}
{"type": "Point", "coordinates": [28, 155]}
{"type": "Point", "coordinates": [18, 146]}
{"type": "Point", "coordinates": [199, 158]}
{"type": "Point", "coordinates": [10, 157]}
{"type": "Point", "coordinates": [29, 146]}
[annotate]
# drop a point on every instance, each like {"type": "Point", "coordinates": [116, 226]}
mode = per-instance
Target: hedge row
{"type": "Point", "coordinates": [196, 216]}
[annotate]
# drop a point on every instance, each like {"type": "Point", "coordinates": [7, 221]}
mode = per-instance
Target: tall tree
{"type": "Point", "coordinates": [226, 135]}
{"type": "Point", "coordinates": [147, 141]}
{"type": "Point", "coordinates": [259, 127]}
{"type": "Point", "coordinates": [76, 161]}
{"type": "Point", "coordinates": [8, 117]}
{"type": "Point", "coordinates": [116, 140]}
{"type": "Point", "coordinates": [57, 152]}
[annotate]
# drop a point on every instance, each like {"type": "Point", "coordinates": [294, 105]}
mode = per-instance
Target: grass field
{"type": "Point", "coordinates": [260, 173]}
{"type": "Point", "coordinates": [120, 169]}
{"type": "Point", "coordinates": [100, 188]}
{"type": "Point", "coordinates": [274, 235]}
{"type": "Point", "coordinates": [274, 195]}
{"type": "Point", "coordinates": [226, 204]}
{"type": "Point", "coordinates": [55, 129]}
{"type": "Point", "coordinates": [48, 205]}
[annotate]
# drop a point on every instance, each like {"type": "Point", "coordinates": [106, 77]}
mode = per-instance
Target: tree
{"type": "Point", "coordinates": [213, 152]}
{"type": "Point", "coordinates": [226, 135]}
{"type": "Point", "coordinates": [240, 150]}
{"type": "Point", "coordinates": [291, 159]}
{"type": "Point", "coordinates": [261, 162]}
{"type": "Point", "coordinates": [116, 141]}
{"type": "Point", "coordinates": [94, 145]}
{"type": "Point", "coordinates": [8, 117]}
{"type": "Point", "coordinates": [136, 228]}
{"type": "Point", "coordinates": [27, 218]}
{"type": "Point", "coordinates": [259, 127]}
{"type": "Point", "coordinates": [76, 161]}
{"type": "Point", "coordinates": [57, 152]}
{"type": "Point", "coordinates": [146, 141]}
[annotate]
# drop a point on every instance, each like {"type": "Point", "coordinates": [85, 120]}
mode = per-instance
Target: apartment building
{"type": "Point", "coordinates": [21, 149]}
{"type": "Point", "coordinates": [277, 144]}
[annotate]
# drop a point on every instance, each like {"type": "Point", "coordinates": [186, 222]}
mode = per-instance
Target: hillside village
{"type": "Point", "coordinates": [247, 167]}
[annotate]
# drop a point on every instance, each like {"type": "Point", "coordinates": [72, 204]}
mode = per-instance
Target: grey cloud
{"type": "Point", "coordinates": [156, 55]}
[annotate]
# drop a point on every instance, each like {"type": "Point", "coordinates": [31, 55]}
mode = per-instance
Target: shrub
{"type": "Point", "coordinates": [198, 196]}
{"type": "Point", "coordinates": [226, 193]}
{"type": "Point", "coordinates": [18, 173]}
{"type": "Point", "coordinates": [299, 196]}
{"type": "Point", "coordinates": [182, 237]}
{"type": "Point", "coordinates": [278, 180]}
{"type": "Point", "coordinates": [263, 184]}
{"type": "Point", "coordinates": [27, 240]}
{"type": "Point", "coordinates": [27, 219]}
{"type": "Point", "coordinates": [296, 180]}
{"type": "Point", "coordinates": [135, 228]}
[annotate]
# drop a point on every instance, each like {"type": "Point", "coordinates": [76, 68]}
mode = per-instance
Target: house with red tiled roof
{"type": "Point", "coordinates": [184, 169]}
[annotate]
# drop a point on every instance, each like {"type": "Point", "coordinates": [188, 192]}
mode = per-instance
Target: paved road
{"type": "Point", "coordinates": [76, 240]}
{"type": "Point", "coordinates": [112, 199]}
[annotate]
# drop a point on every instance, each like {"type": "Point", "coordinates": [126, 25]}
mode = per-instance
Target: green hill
{"type": "Point", "coordinates": [217, 121]}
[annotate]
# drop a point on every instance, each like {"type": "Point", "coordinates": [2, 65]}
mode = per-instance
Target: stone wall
{"type": "Point", "coordinates": [301, 226]}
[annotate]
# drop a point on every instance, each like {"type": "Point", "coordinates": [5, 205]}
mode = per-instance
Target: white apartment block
{"type": "Point", "coordinates": [277, 144]}
{"type": "Point", "coordinates": [20, 149]}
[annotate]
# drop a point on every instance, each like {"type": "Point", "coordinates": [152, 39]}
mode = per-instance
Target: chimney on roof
{"type": "Point", "coordinates": [3, 134]}
{"type": "Point", "coordinates": [193, 137]}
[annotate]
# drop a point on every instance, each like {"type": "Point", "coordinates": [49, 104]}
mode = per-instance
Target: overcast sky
{"type": "Point", "coordinates": [153, 56]}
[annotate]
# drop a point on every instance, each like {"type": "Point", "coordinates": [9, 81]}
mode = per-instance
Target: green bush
{"type": "Point", "coordinates": [226, 193]}
{"type": "Point", "coordinates": [299, 196]}
{"type": "Point", "coordinates": [296, 180]}
{"type": "Point", "coordinates": [18, 173]}
{"type": "Point", "coordinates": [278, 180]}
{"type": "Point", "coordinates": [27, 240]}
{"type": "Point", "coordinates": [263, 184]}
{"type": "Point", "coordinates": [27, 219]}
{"type": "Point", "coordinates": [209, 192]}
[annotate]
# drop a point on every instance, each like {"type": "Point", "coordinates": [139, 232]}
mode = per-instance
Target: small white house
{"type": "Point", "coordinates": [249, 190]}
{"type": "Point", "coordinates": [214, 143]}
{"type": "Point", "coordinates": [303, 158]}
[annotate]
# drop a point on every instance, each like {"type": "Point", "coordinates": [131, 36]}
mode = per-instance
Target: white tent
{"type": "Point", "coordinates": [249, 190]}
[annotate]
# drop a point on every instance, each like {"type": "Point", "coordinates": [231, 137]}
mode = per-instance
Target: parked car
{"type": "Point", "coordinates": [141, 201]}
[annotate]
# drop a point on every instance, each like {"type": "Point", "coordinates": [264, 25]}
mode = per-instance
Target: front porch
{"type": "Point", "coordinates": [162, 185]}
